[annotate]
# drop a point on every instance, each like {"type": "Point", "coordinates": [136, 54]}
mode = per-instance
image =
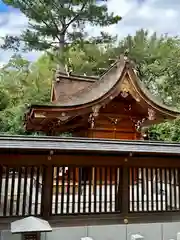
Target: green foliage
{"type": "Point", "coordinates": [4, 99]}
{"type": "Point", "coordinates": [90, 60]}
{"type": "Point", "coordinates": [21, 84]}
{"type": "Point", "coordinates": [156, 58]}
{"type": "Point", "coordinates": [168, 131]}
{"type": "Point", "coordinates": [54, 24]}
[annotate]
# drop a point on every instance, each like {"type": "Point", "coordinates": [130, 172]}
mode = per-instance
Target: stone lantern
{"type": "Point", "coordinates": [30, 228]}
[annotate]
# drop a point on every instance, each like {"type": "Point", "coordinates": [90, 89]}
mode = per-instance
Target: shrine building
{"type": "Point", "coordinates": [96, 165]}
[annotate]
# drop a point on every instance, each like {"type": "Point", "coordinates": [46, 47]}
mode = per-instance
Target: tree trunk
{"type": "Point", "coordinates": [59, 54]}
{"type": "Point", "coordinates": [62, 44]}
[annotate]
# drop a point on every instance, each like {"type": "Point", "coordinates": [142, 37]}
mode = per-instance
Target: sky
{"type": "Point", "coordinates": [161, 16]}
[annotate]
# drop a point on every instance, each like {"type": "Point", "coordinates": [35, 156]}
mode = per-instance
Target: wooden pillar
{"type": "Point", "coordinates": [124, 183]}
{"type": "Point", "coordinates": [47, 192]}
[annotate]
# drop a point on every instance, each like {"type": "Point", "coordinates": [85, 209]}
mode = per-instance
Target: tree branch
{"type": "Point", "coordinates": [45, 23]}
{"type": "Point", "coordinates": [74, 18]}
{"type": "Point", "coordinates": [52, 19]}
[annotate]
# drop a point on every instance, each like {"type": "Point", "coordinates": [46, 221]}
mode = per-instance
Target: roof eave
{"type": "Point", "coordinates": [166, 111]}
{"type": "Point", "coordinates": [57, 144]}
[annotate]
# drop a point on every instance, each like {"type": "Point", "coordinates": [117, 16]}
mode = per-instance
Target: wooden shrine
{"type": "Point", "coordinates": [105, 172]}
{"type": "Point", "coordinates": [115, 106]}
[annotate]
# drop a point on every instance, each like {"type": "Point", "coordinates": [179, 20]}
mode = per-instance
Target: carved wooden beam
{"type": "Point", "coordinates": [127, 88]}
{"type": "Point", "coordinates": [137, 123]}
{"type": "Point", "coordinates": [94, 114]}
{"type": "Point", "coordinates": [151, 114]}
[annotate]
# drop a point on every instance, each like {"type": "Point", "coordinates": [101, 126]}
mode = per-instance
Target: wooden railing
{"type": "Point", "coordinates": [92, 191]}
{"type": "Point", "coordinates": [50, 191]}
{"type": "Point", "coordinates": [156, 190]}
{"type": "Point", "coordinates": [21, 191]}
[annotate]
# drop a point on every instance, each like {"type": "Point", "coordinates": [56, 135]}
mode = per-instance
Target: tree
{"type": "Point", "coordinates": [158, 62]}
{"type": "Point", "coordinates": [91, 60]}
{"type": "Point", "coordinates": [22, 83]}
{"type": "Point", "coordinates": [54, 24]}
{"type": "Point", "coordinates": [156, 58]}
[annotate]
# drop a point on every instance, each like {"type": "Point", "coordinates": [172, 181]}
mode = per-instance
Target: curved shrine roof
{"type": "Point", "coordinates": [74, 96]}
{"type": "Point", "coordinates": [82, 91]}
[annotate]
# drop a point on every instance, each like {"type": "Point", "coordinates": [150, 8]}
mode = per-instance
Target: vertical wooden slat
{"type": "Point", "coordinates": [110, 188]}
{"type": "Point", "coordinates": [170, 188]}
{"type": "Point", "coordinates": [90, 188]}
{"type": "Point", "coordinates": [142, 186]}
{"type": "Point", "coordinates": [105, 190]}
{"type": "Point", "coordinates": [116, 188]}
{"type": "Point", "coordinates": [132, 195]}
{"type": "Point", "coordinates": [31, 189]}
{"type": "Point", "coordinates": [56, 170]}
{"type": "Point", "coordinates": [44, 178]}
{"type": "Point", "coordinates": [25, 190]}
{"type": "Point", "coordinates": [130, 190]}
{"type": "Point", "coordinates": [6, 191]}
{"type": "Point", "coordinates": [62, 190]}
{"type": "Point", "coordinates": [175, 188]}
{"type": "Point", "coordinates": [178, 173]}
{"type": "Point", "coordinates": [19, 191]}
{"type": "Point", "coordinates": [147, 189]}
{"type": "Point", "coordinates": [156, 183]}
{"type": "Point", "coordinates": [68, 189]}
{"type": "Point", "coordinates": [84, 194]}
{"type": "Point", "coordinates": [137, 189]}
{"type": "Point", "coordinates": [37, 190]}
{"type": "Point", "coordinates": [95, 189]}
{"type": "Point", "coordinates": [166, 190]}
{"type": "Point", "coordinates": [79, 189]}
{"type": "Point", "coordinates": [129, 196]}
{"type": "Point", "coordinates": [152, 189]}
{"type": "Point", "coordinates": [100, 189]}
{"type": "Point", "coordinates": [74, 190]}
{"type": "Point", "coordinates": [161, 188]}
{"type": "Point", "coordinates": [12, 191]}
{"type": "Point", "coordinates": [1, 179]}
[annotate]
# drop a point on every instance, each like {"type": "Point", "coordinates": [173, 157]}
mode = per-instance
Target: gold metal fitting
{"type": "Point", "coordinates": [130, 154]}
{"type": "Point", "coordinates": [51, 152]}
{"type": "Point", "coordinates": [125, 220]}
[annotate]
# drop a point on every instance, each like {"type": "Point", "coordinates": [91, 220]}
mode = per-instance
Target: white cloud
{"type": "Point", "coordinates": [161, 16]}
{"type": "Point", "coordinates": [13, 23]}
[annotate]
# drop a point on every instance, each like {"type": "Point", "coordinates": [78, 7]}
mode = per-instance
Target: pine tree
{"type": "Point", "coordinates": [54, 24]}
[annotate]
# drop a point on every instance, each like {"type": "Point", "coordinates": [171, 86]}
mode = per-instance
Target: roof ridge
{"type": "Point", "coordinates": [77, 77]}
{"type": "Point", "coordinates": [98, 82]}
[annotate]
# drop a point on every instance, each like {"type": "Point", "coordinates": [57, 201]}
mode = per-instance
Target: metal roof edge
{"type": "Point", "coordinates": [84, 144]}
{"type": "Point", "coordinates": [82, 139]}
